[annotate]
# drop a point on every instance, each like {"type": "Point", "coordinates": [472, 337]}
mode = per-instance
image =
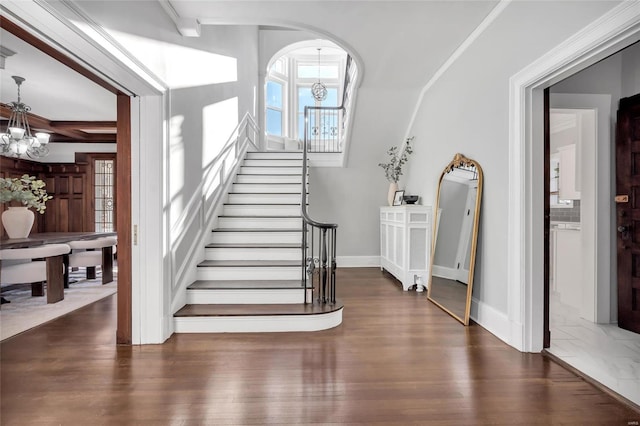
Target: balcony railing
{"type": "Point", "coordinates": [318, 238]}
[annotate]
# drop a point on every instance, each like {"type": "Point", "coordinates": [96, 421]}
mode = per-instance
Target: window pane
{"type": "Point", "coordinates": [274, 94]}
{"type": "Point", "coordinates": [332, 97]}
{"type": "Point", "coordinates": [274, 122]}
{"type": "Point", "coordinates": [305, 98]}
{"type": "Point", "coordinates": [311, 71]}
{"type": "Point", "coordinates": [104, 195]}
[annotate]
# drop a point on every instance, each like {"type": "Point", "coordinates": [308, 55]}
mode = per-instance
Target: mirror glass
{"type": "Point", "coordinates": [454, 237]}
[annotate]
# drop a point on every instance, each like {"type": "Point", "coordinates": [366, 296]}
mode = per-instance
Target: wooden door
{"type": "Point", "coordinates": [628, 212]}
{"type": "Point", "coordinates": [65, 212]}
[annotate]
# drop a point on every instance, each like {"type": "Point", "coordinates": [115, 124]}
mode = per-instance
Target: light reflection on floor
{"type": "Point", "coordinates": [604, 352]}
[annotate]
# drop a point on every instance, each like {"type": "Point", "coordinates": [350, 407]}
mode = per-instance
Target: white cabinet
{"type": "Point", "coordinates": [566, 281]}
{"type": "Point", "coordinates": [568, 183]}
{"type": "Point", "coordinates": [405, 243]}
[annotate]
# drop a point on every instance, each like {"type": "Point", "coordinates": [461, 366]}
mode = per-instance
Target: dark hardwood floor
{"type": "Point", "coordinates": [396, 359]}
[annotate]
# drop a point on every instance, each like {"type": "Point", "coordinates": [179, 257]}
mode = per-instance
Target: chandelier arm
{"type": "Point", "coordinates": [18, 139]}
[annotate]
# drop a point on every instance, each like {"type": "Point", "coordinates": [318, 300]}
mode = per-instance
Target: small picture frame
{"type": "Point", "coordinates": [397, 199]}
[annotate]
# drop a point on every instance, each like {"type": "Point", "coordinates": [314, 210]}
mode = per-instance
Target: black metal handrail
{"type": "Point", "coordinates": [318, 267]}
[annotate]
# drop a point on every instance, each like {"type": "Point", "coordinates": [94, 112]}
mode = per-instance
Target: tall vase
{"type": "Point", "coordinates": [393, 187]}
{"type": "Point", "coordinates": [17, 221]}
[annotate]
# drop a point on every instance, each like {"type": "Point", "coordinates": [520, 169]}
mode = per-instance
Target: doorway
{"type": "Point", "coordinates": [123, 183]}
{"type": "Point", "coordinates": [582, 258]}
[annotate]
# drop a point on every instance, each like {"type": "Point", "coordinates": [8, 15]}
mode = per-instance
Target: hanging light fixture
{"type": "Point", "coordinates": [17, 140]}
{"type": "Point", "coordinates": [319, 90]}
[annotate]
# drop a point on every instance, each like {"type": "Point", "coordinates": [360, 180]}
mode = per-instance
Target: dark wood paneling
{"type": "Point", "coordinates": [123, 198]}
{"type": "Point", "coordinates": [67, 184]}
{"type": "Point", "coordinates": [62, 185]}
{"type": "Point", "coordinates": [78, 184]}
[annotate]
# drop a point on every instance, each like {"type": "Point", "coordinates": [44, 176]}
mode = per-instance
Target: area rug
{"type": "Point", "coordinates": [25, 312]}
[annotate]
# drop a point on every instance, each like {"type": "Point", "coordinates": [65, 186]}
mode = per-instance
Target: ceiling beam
{"type": "Point", "coordinates": [62, 132]}
{"type": "Point", "coordinates": [90, 138]}
{"type": "Point", "coordinates": [188, 27]}
{"type": "Point", "coordinates": [86, 125]}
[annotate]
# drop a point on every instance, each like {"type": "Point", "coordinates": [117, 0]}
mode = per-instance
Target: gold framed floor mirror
{"type": "Point", "coordinates": [455, 236]}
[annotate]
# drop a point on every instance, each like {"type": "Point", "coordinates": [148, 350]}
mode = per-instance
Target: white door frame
{"type": "Point", "coordinates": [613, 31]}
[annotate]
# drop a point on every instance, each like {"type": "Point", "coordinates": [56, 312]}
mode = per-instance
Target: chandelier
{"type": "Point", "coordinates": [319, 90]}
{"type": "Point", "coordinates": [17, 140]}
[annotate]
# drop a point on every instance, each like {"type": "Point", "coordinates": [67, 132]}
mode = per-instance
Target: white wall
{"type": "Point", "coordinates": [352, 196]}
{"type": "Point", "coordinates": [630, 70]}
{"type": "Point", "coordinates": [467, 111]}
{"type": "Point", "coordinates": [212, 81]}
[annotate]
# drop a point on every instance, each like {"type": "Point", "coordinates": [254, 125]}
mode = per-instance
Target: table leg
{"type": "Point", "coordinates": [55, 279]}
{"type": "Point", "coordinates": [107, 264]}
{"type": "Point", "coordinates": [65, 261]}
{"type": "Point", "coordinates": [37, 289]}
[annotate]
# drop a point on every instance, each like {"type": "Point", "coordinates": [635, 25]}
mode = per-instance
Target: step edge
{"type": "Point", "coordinates": [336, 307]}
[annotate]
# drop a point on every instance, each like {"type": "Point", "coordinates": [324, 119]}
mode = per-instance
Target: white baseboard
{"type": "Point", "coordinates": [357, 261]}
{"type": "Point", "coordinates": [258, 324]}
{"type": "Point", "coordinates": [494, 321]}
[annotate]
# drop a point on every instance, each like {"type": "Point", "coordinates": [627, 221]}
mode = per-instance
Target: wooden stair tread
{"type": "Point", "coordinates": [245, 284]}
{"type": "Point", "coordinates": [262, 193]}
{"type": "Point", "coordinates": [262, 204]}
{"type": "Point", "coordinates": [257, 230]}
{"type": "Point", "coordinates": [249, 263]}
{"type": "Point", "coordinates": [268, 183]}
{"type": "Point", "coordinates": [263, 217]}
{"type": "Point", "coordinates": [254, 245]}
{"type": "Point", "coordinates": [257, 310]}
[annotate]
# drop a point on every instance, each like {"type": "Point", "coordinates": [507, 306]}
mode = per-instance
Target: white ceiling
{"type": "Point", "coordinates": [51, 89]}
{"type": "Point", "coordinates": [400, 43]}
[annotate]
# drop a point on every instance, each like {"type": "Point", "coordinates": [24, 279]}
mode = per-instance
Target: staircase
{"type": "Point", "coordinates": [251, 278]}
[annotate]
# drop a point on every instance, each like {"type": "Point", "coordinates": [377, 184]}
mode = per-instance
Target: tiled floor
{"type": "Point", "coordinates": [604, 352]}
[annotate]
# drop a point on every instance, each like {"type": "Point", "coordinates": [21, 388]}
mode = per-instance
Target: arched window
{"type": "Point", "coordinates": [288, 87]}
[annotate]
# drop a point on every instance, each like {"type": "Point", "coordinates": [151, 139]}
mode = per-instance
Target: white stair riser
{"type": "Point", "coordinates": [257, 237]}
{"type": "Point", "coordinates": [272, 155]}
{"type": "Point", "coordinates": [261, 210]}
{"type": "Point", "coordinates": [261, 222]}
{"type": "Point", "coordinates": [249, 273]}
{"type": "Point", "coordinates": [258, 323]}
{"type": "Point", "coordinates": [272, 163]}
{"type": "Point", "coordinates": [247, 297]}
{"type": "Point", "coordinates": [277, 179]}
{"type": "Point", "coordinates": [249, 170]}
{"type": "Point", "coordinates": [264, 199]}
{"type": "Point", "coordinates": [267, 188]}
{"type": "Point", "coordinates": [248, 253]}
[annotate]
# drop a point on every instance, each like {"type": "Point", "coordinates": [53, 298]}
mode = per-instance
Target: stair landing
{"type": "Point", "coordinates": [238, 318]}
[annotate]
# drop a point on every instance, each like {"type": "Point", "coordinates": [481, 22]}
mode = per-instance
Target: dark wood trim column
{"type": "Point", "coordinates": [123, 220]}
{"type": "Point", "coordinates": [547, 218]}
